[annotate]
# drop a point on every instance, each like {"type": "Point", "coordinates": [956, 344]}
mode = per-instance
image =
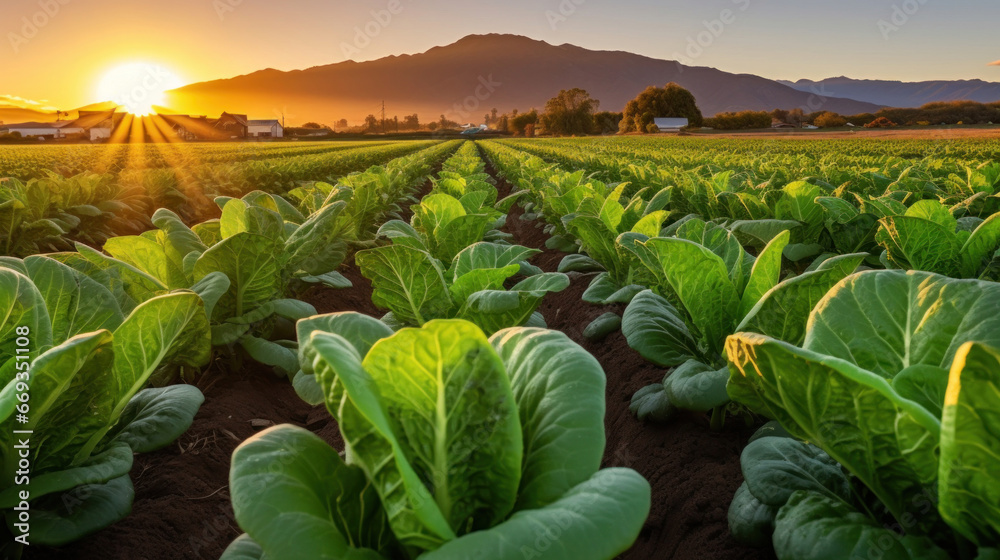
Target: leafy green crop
{"type": "Point", "coordinates": [414, 287]}
{"type": "Point", "coordinates": [457, 447]}
{"type": "Point", "coordinates": [598, 235]}
{"type": "Point", "coordinates": [870, 386]}
{"type": "Point", "coordinates": [51, 212]}
{"type": "Point", "coordinates": [928, 237]}
{"type": "Point", "coordinates": [708, 287]}
{"type": "Point", "coordinates": [244, 265]}
{"type": "Point", "coordinates": [88, 409]}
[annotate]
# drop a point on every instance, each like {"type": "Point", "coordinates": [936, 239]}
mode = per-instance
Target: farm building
{"type": "Point", "coordinates": [187, 127]}
{"type": "Point", "coordinates": [670, 125]}
{"type": "Point", "coordinates": [227, 127]}
{"type": "Point", "coordinates": [97, 125]}
{"type": "Point", "coordinates": [237, 126]}
{"type": "Point", "coordinates": [265, 129]}
{"type": "Point", "coordinates": [49, 130]}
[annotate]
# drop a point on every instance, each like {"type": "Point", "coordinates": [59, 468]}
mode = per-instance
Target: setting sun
{"type": "Point", "coordinates": [137, 86]}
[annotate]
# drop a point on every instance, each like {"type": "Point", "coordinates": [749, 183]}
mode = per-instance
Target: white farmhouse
{"type": "Point", "coordinates": [265, 129]}
{"type": "Point", "coordinates": [670, 125]}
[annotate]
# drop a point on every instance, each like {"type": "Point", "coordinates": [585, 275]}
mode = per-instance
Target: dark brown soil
{"type": "Point", "coordinates": [693, 470]}
{"type": "Point", "coordinates": [182, 508]}
{"type": "Point", "coordinates": [357, 298]}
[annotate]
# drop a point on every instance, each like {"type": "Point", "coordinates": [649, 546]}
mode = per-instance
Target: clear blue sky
{"type": "Point", "coordinates": [207, 39]}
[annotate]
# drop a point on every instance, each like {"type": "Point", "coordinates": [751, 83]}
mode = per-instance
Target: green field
{"type": "Point", "coordinates": [837, 299]}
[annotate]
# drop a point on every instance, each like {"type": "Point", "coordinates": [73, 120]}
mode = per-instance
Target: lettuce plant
{"type": "Point", "coordinates": [461, 209]}
{"type": "Point", "coordinates": [928, 237]}
{"type": "Point", "coordinates": [371, 195]}
{"type": "Point", "coordinates": [458, 446]}
{"type": "Point", "coordinates": [245, 264]}
{"type": "Point", "coordinates": [52, 212]}
{"type": "Point", "coordinates": [88, 409]}
{"type": "Point", "coordinates": [708, 287]}
{"type": "Point", "coordinates": [443, 225]}
{"type": "Point", "coordinates": [623, 276]}
{"type": "Point", "coordinates": [896, 382]}
{"type": "Point", "coordinates": [412, 284]}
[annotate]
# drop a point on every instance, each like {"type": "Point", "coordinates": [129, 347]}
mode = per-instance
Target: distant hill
{"type": "Point", "coordinates": [902, 94]}
{"type": "Point", "coordinates": [466, 79]}
{"type": "Point", "coordinates": [12, 114]}
{"type": "Point", "coordinates": [15, 114]}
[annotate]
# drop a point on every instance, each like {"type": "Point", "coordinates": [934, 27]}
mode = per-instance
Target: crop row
{"type": "Point", "coordinates": [741, 165]}
{"type": "Point", "coordinates": [31, 162]}
{"type": "Point", "coordinates": [52, 212]}
{"type": "Point", "coordinates": [881, 383]}
{"type": "Point", "coordinates": [459, 445]}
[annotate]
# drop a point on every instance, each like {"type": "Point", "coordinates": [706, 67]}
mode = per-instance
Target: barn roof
{"type": "Point", "coordinates": [670, 122]}
{"type": "Point", "coordinates": [271, 122]}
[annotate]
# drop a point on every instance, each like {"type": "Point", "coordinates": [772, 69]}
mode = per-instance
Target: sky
{"type": "Point", "coordinates": [55, 52]}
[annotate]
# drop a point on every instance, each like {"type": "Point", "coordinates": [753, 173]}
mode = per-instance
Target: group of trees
{"type": "Point", "coordinates": [575, 112]}
{"type": "Point", "coordinates": [671, 101]}
{"type": "Point", "coordinates": [740, 121]}
{"type": "Point", "coordinates": [945, 112]}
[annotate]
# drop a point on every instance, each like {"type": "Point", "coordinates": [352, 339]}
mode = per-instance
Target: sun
{"type": "Point", "coordinates": [137, 86]}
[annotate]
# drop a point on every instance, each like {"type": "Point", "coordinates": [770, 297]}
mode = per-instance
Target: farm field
{"type": "Point", "coordinates": [582, 348]}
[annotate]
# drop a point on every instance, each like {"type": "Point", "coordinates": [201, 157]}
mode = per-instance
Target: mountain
{"type": "Point", "coordinates": [14, 114]}
{"type": "Point", "coordinates": [902, 94]}
{"type": "Point", "coordinates": [466, 79]}
{"type": "Point", "coordinates": [10, 113]}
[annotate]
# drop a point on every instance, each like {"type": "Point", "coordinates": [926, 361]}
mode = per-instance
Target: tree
{"type": "Point", "coordinates": [607, 122]}
{"type": "Point", "coordinates": [411, 122]}
{"type": "Point", "coordinates": [371, 123]}
{"type": "Point", "coordinates": [312, 125]}
{"type": "Point", "coordinates": [671, 101]}
{"type": "Point", "coordinates": [742, 120]}
{"type": "Point", "coordinates": [829, 120]}
{"type": "Point", "coordinates": [570, 112]}
{"type": "Point", "coordinates": [881, 122]}
{"type": "Point", "coordinates": [796, 116]}
{"type": "Point", "coordinates": [342, 123]}
{"type": "Point", "coordinates": [519, 122]}
{"type": "Point", "coordinates": [493, 115]}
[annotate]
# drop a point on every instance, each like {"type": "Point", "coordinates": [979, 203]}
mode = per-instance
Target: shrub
{"type": "Point", "coordinates": [881, 122]}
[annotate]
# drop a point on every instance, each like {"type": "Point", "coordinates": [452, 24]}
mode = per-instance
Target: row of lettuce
{"type": "Point", "coordinates": [50, 212]}
{"type": "Point", "coordinates": [459, 444]}
{"type": "Point", "coordinates": [882, 384]}
{"type": "Point", "coordinates": [952, 170]}
{"type": "Point", "coordinates": [467, 435]}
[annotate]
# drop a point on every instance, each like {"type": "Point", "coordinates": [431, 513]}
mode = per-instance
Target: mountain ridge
{"type": "Point", "coordinates": [897, 93]}
{"type": "Point", "coordinates": [453, 80]}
